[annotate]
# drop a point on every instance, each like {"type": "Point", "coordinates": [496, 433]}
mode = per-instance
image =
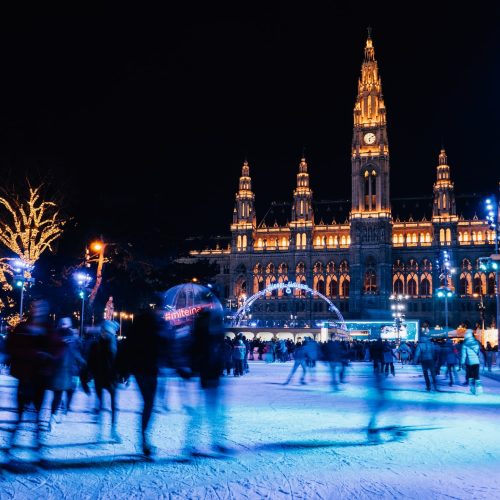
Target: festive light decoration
{"type": "Point", "coordinates": [28, 227]}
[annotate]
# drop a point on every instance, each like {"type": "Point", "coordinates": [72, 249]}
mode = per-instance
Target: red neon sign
{"type": "Point", "coordinates": [185, 312]}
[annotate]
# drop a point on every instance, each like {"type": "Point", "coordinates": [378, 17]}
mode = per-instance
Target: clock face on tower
{"type": "Point", "coordinates": [369, 138]}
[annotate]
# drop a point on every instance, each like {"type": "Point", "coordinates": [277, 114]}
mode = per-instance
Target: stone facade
{"type": "Point", "coordinates": [365, 252]}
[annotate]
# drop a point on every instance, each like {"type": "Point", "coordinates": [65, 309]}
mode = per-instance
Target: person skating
{"type": "Point", "coordinates": [103, 369]}
{"type": "Point", "coordinates": [141, 357]}
{"type": "Point", "coordinates": [239, 352]}
{"type": "Point", "coordinates": [66, 369]}
{"type": "Point", "coordinates": [451, 359]}
{"type": "Point", "coordinates": [425, 354]}
{"type": "Point", "coordinates": [389, 358]}
{"type": "Point", "coordinates": [470, 359]}
{"type": "Point", "coordinates": [31, 350]}
{"type": "Point", "coordinates": [207, 361]}
{"type": "Point", "coordinates": [299, 359]}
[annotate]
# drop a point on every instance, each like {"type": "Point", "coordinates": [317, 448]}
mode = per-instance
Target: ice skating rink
{"type": "Point", "coordinates": [289, 441]}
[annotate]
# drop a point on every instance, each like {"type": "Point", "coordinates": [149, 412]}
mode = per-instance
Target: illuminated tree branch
{"type": "Point", "coordinates": [29, 226]}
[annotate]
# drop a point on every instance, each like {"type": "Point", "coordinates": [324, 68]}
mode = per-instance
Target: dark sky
{"type": "Point", "coordinates": [144, 115]}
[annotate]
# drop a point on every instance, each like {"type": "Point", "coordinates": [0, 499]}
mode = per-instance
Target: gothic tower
{"type": "Point", "coordinates": [444, 211]}
{"type": "Point", "coordinates": [302, 212]}
{"type": "Point", "coordinates": [371, 248]}
{"type": "Point", "coordinates": [244, 220]}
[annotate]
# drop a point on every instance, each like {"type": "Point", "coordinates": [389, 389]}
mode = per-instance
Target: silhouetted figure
{"type": "Point", "coordinates": [450, 354]}
{"type": "Point", "coordinates": [66, 368]}
{"type": "Point", "coordinates": [377, 355]}
{"type": "Point", "coordinates": [208, 362]}
{"type": "Point", "coordinates": [102, 367]}
{"type": "Point", "coordinates": [142, 352]}
{"type": "Point", "coordinates": [470, 359]}
{"type": "Point", "coordinates": [299, 360]}
{"type": "Point", "coordinates": [426, 355]}
{"type": "Point", "coordinates": [32, 350]}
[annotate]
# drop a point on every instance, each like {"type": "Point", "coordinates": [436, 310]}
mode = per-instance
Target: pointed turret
{"type": "Point", "coordinates": [244, 219]}
{"type": "Point", "coordinates": [444, 195]}
{"type": "Point", "coordinates": [302, 196]}
{"type": "Point", "coordinates": [369, 109]}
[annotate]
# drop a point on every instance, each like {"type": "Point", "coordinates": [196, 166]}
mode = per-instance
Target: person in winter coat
{"type": "Point", "coordinates": [66, 368]}
{"type": "Point", "coordinates": [450, 354]}
{"type": "Point", "coordinates": [228, 355]}
{"type": "Point", "coordinates": [103, 369]}
{"type": "Point", "coordinates": [425, 354]}
{"type": "Point", "coordinates": [389, 358]}
{"type": "Point", "coordinates": [32, 349]}
{"type": "Point", "coordinates": [299, 359]}
{"type": "Point", "coordinates": [377, 355]}
{"type": "Point", "coordinates": [142, 352]}
{"type": "Point", "coordinates": [208, 361]}
{"type": "Point", "coordinates": [334, 356]}
{"type": "Point", "coordinates": [488, 356]}
{"type": "Point", "coordinates": [470, 359]}
{"type": "Point", "coordinates": [404, 353]}
{"type": "Point", "coordinates": [239, 351]}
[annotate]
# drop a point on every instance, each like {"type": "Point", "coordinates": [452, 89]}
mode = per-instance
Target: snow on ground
{"type": "Point", "coordinates": [294, 441]}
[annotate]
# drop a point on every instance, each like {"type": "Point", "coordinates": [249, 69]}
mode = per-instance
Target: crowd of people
{"type": "Point", "coordinates": [44, 358]}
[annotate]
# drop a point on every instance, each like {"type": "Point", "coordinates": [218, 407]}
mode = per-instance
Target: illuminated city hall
{"type": "Point", "coordinates": [359, 253]}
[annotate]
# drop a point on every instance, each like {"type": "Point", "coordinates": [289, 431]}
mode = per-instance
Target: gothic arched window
{"type": "Point", "coordinates": [398, 287]}
{"type": "Point", "coordinates": [370, 282]}
{"type": "Point", "coordinates": [412, 285]}
{"type": "Point", "coordinates": [491, 284]}
{"type": "Point", "coordinates": [426, 285]}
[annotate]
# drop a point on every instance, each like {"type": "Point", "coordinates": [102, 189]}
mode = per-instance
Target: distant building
{"type": "Point", "coordinates": [358, 252]}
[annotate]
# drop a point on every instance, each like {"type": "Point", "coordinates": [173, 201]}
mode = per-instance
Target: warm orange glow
{"type": "Point", "coordinates": [96, 246]}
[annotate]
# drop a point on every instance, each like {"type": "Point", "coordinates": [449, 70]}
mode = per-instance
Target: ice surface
{"type": "Point", "coordinates": [294, 441]}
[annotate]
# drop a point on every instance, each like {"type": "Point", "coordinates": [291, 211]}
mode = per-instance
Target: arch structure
{"type": "Point", "coordinates": [287, 289]}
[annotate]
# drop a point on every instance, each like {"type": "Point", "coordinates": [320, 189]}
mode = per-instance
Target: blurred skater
{"type": "Point", "coordinates": [141, 358]}
{"type": "Point", "coordinates": [208, 363]}
{"type": "Point", "coordinates": [102, 367]}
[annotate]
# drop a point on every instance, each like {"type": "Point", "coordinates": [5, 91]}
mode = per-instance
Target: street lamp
{"type": "Point", "coordinates": [22, 275]}
{"type": "Point", "coordinates": [398, 308]}
{"type": "Point", "coordinates": [492, 208]}
{"type": "Point", "coordinates": [446, 293]}
{"type": "Point", "coordinates": [482, 308]}
{"type": "Point", "coordinates": [82, 280]}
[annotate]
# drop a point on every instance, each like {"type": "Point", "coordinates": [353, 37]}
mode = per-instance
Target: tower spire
{"type": "Point", "coordinates": [302, 195]}
{"type": "Point", "coordinates": [444, 196]}
{"type": "Point", "coordinates": [244, 220]}
{"type": "Point", "coordinates": [370, 147]}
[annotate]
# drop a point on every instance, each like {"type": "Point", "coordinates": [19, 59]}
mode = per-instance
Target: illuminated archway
{"type": "Point", "coordinates": [287, 289]}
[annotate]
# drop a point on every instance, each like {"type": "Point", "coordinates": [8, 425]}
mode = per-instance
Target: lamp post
{"type": "Point", "coordinates": [482, 308]}
{"type": "Point", "coordinates": [21, 270]}
{"type": "Point", "coordinates": [492, 207]}
{"type": "Point", "coordinates": [398, 308]}
{"type": "Point", "coordinates": [445, 292]}
{"type": "Point", "coordinates": [82, 280]}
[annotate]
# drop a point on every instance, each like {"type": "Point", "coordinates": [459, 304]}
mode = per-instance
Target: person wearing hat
{"type": "Point", "coordinates": [102, 366]}
{"type": "Point", "coordinates": [470, 359]}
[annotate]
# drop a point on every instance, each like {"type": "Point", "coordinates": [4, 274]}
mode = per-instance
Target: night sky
{"type": "Point", "coordinates": [144, 116]}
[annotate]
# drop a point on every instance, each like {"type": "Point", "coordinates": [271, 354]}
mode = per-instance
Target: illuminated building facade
{"type": "Point", "coordinates": [360, 252]}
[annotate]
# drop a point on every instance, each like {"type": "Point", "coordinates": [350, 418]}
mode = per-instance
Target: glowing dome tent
{"type": "Point", "coordinates": [183, 302]}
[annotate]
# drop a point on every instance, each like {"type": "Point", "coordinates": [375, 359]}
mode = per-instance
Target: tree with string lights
{"type": "Point", "coordinates": [30, 223]}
